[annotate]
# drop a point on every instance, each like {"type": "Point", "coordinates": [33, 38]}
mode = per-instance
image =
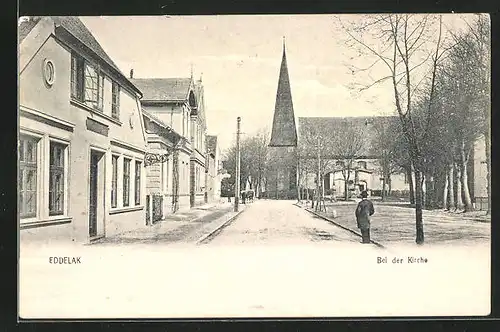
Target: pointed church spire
{"type": "Point", "coordinates": [284, 132]}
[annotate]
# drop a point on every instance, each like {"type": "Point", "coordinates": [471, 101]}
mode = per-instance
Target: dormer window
{"type": "Point", "coordinates": [362, 164]}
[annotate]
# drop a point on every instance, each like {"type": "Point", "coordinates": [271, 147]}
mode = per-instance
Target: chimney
{"type": "Point", "coordinates": [132, 73]}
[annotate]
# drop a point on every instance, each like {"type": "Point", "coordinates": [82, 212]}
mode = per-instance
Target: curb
{"type": "Point", "coordinates": [339, 225]}
{"type": "Point", "coordinates": [211, 234]}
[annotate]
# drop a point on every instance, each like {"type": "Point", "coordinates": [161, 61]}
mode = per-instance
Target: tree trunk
{"type": "Point", "coordinates": [410, 185]}
{"type": "Point", "coordinates": [458, 179]}
{"type": "Point", "coordinates": [465, 188]}
{"type": "Point", "coordinates": [297, 182]}
{"type": "Point", "coordinates": [389, 183]}
{"type": "Point", "coordinates": [418, 208]}
{"type": "Point", "coordinates": [451, 187]}
{"type": "Point", "coordinates": [346, 185]}
{"type": "Point", "coordinates": [383, 187]}
{"type": "Point", "coordinates": [445, 193]}
{"type": "Point", "coordinates": [429, 191]}
{"type": "Point", "coordinates": [488, 168]}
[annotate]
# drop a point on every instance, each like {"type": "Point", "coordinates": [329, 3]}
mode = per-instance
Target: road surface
{"type": "Point", "coordinates": [270, 222]}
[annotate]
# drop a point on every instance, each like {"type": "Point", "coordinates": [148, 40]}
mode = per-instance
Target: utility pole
{"type": "Point", "coordinates": [237, 178]}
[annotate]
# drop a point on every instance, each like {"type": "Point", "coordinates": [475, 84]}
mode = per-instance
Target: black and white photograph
{"type": "Point", "coordinates": [254, 166]}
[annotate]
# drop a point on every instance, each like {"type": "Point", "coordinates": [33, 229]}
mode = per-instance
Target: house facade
{"type": "Point", "coordinates": [478, 170]}
{"type": "Point", "coordinates": [214, 170]}
{"type": "Point", "coordinates": [81, 136]}
{"type": "Point", "coordinates": [361, 173]}
{"type": "Point", "coordinates": [162, 168]}
{"type": "Point", "coordinates": [179, 104]}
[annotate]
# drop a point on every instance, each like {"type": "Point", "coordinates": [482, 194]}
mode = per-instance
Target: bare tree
{"type": "Point", "coordinates": [316, 146]}
{"type": "Point", "coordinates": [410, 48]}
{"type": "Point", "coordinates": [253, 162]}
{"type": "Point", "coordinates": [461, 95]}
{"type": "Point", "coordinates": [348, 146]}
{"type": "Point", "coordinates": [386, 144]}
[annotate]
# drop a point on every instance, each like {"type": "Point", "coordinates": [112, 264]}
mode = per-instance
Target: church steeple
{"type": "Point", "coordinates": [284, 132]}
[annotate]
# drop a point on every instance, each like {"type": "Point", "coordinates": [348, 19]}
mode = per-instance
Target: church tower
{"type": "Point", "coordinates": [282, 148]}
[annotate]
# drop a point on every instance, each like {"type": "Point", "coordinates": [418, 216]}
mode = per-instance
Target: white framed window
{"type": "Point", "coordinates": [114, 181]}
{"type": "Point", "coordinates": [28, 173]}
{"type": "Point", "coordinates": [115, 100]}
{"type": "Point", "coordinates": [77, 77]}
{"type": "Point", "coordinates": [87, 82]}
{"type": "Point", "coordinates": [42, 177]}
{"type": "Point", "coordinates": [126, 181]}
{"type": "Point", "coordinates": [137, 183]}
{"type": "Point", "coordinates": [57, 178]}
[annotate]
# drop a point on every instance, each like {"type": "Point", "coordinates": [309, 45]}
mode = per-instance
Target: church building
{"type": "Point", "coordinates": [282, 176]}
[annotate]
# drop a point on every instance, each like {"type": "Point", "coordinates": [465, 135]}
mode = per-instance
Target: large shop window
{"type": "Point", "coordinates": [137, 183]}
{"type": "Point", "coordinates": [126, 182]}
{"type": "Point", "coordinates": [56, 180]}
{"type": "Point", "coordinates": [28, 170]}
{"type": "Point", "coordinates": [87, 83]}
{"type": "Point", "coordinates": [114, 181]}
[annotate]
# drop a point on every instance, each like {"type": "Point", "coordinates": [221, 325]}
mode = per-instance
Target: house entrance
{"type": "Point", "coordinates": [96, 194]}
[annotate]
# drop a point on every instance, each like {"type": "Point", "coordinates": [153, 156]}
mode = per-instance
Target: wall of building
{"type": "Point", "coordinates": [371, 179]}
{"type": "Point", "coordinates": [49, 115]}
{"type": "Point", "coordinates": [480, 169]}
{"type": "Point", "coordinates": [174, 115]}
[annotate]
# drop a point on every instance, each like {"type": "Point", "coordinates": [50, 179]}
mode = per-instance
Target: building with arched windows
{"type": "Point", "coordinates": [177, 103]}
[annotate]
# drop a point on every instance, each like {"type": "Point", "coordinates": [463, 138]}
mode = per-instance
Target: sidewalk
{"type": "Point", "coordinates": [185, 226]}
{"type": "Point", "coordinates": [396, 224]}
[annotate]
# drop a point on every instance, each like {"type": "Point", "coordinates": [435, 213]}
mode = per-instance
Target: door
{"type": "Point", "coordinates": [96, 194]}
{"type": "Point", "coordinates": [94, 164]}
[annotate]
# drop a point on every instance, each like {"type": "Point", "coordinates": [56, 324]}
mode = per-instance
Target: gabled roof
{"type": "Point", "coordinates": [284, 132]}
{"type": "Point", "coordinates": [73, 26]}
{"type": "Point", "coordinates": [212, 144]}
{"type": "Point", "coordinates": [329, 126]}
{"type": "Point", "coordinates": [76, 27]}
{"type": "Point", "coordinates": [163, 89]}
{"type": "Point", "coordinates": [25, 26]}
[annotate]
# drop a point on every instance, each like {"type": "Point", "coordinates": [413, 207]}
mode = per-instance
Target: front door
{"type": "Point", "coordinates": [96, 194]}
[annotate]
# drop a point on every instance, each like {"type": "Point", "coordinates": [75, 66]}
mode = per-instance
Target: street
{"type": "Point", "coordinates": [269, 222]}
{"type": "Point", "coordinates": [273, 260]}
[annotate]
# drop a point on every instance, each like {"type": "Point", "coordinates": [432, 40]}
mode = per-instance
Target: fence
{"type": "Point", "coordinates": [154, 204]}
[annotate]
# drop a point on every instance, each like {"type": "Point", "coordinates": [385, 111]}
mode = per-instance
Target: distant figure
{"type": "Point", "coordinates": [363, 213]}
{"type": "Point", "coordinates": [243, 196]}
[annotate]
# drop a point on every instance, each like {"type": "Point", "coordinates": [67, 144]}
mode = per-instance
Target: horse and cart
{"type": "Point", "coordinates": [247, 196]}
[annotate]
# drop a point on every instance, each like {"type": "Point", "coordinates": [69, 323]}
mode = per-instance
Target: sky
{"type": "Point", "coordinates": [239, 57]}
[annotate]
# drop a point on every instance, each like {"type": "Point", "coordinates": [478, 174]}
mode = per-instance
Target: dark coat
{"type": "Point", "coordinates": [363, 212]}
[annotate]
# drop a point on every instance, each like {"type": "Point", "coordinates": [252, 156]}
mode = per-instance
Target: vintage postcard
{"type": "Point", "coordinates": [235, 166]}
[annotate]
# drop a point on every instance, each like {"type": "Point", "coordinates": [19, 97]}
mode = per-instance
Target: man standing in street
{"type": "Point", "coordinates": [363, 213]}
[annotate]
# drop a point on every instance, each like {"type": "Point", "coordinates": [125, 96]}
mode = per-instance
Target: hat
{"type": "Point", "coordinates": [364, 194]}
